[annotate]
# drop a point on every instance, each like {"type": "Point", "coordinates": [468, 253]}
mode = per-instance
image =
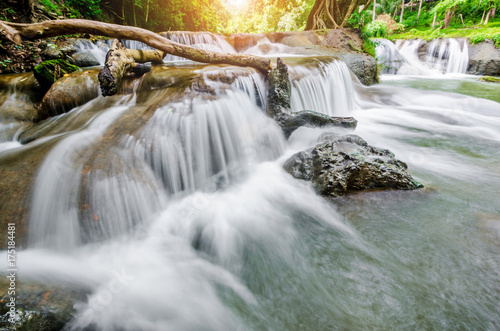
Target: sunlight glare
{"type": "Point", "coordinates": [236, 3]}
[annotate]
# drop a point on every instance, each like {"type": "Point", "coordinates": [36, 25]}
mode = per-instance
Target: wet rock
{"type": "Point", "coordinates": [311, 119]}
{"type": "Point", "coordinates": [279, 93]}
{"type": "Point", "coordinates": [85, 59]}
{"type": "Point", "coordinates": [62, 50]}
{"type": "Point", "coordinates": [48, 72]}
{"type": "Point", "coordinates": [348, 163]}
{"type": "Point", "coordinates": [39, 307]}
{"type": "Point", "coordinates": [484, 59]}
{"type": "Point", "coordinates": [69, 92]}
{"type": "Point", "coordinates": [362, 65]}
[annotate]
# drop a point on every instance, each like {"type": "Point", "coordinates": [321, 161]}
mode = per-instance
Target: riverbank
{"type": "Point", "coordinates": [474, 34]}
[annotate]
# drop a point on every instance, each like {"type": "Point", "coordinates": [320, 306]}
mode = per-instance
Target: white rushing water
{"type": "Point", "coordinates": [188, 221]}
{"type": "Point", "coordinates": [442, 56]}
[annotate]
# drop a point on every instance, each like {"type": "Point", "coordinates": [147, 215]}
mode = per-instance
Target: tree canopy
{"type": "Point", "coordinates": [228, 16]}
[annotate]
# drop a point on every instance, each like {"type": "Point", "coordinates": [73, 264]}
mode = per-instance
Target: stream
{"type": "Point", "coordinates": [169, 208]}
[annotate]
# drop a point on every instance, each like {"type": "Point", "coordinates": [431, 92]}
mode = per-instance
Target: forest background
{"type": "Point", "coordinates": [475, 19]}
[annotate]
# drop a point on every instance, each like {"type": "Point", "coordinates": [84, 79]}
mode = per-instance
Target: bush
{"type": "Point", "coordinates": [477, 39]}
{"type": "Point", "coordinates": [496, 39]}
{"type": "Point", "coordinates": [376, 29]}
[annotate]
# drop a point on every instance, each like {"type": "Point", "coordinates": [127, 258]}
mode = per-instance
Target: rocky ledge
{"type": "Point", "coordinates": [348, 163]}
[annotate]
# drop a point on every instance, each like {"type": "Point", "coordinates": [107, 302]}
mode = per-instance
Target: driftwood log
{"type": "Point", "coordinates": [121, 60]}
{"type": "Point", "coordinates": [15, 32]}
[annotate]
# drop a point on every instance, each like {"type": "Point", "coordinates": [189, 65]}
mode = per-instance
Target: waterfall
{"type": "Point", "coordinates": [97, 49]}
{"type": "Point", "coordinates": [442, 56]}
{"type": "Point", "coordinates": [202, 40]}
{"type": "Point", "coordinates": [195, 143]}
{"type": "Point", "coordinates": [326, 88]}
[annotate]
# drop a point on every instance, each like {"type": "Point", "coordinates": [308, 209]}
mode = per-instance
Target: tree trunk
{"type": "Point", "coordinates": [147, 11]}
{"type": "Point", "coordinates": [482, 18]}
{"type": "Point", "coordinates": [133, 12]}
{"type": "Point", "coordinates": [402, 11]}
{"type": "Point", "coordinates": [448, 16]}
{"type": "Point", "coordinates": [123, 11]}
{"type": "Point", "coordinates": [419, 9]}
{"type": "Point", "coordinates": [14, 32]}
{"type": "Point", "coordinates": [349, 12]}
{"type": "Point", "coordinates": [487, 17]}
{"type": "Point", "coordinates": [434, 21]}
{"type": "Point", "coordinates": [374, 9]}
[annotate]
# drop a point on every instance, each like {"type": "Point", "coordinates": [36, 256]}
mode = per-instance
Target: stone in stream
{"type": "Point", "coordinates": [348, 163]}
{"type": "Point", "coordinates": [39, 306]}
{"type": "Point", "coordinates": [48, 72]}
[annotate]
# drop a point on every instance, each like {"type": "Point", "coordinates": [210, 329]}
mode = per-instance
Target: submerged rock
{"type": "Point", "coordinates": [348, 163]}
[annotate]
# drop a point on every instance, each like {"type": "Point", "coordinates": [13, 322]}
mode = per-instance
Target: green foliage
{"type": "Point", "coordinates": [376, 29]}
{"type": "Point", "coordinates": [477, 39]}
{"type": "Point", "coordinates": [87, 8]}
{"type": "Point", "coordinates": [50, 71]}
{"type": "Point", "coordinates": [369, 46]}
{"type": "Point", "coordinates": [358, 19]}
{"type": "Point", "coordinates": [496, 40]}
{"type": "Point", "coordinates": [51, 7]}
{"type": "Point", "coordinates": [270, 15]}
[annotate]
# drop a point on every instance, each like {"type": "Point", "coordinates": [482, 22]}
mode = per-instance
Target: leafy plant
{"type": "Point", "coordinates": [88, 8]}
{"type": "Point", "coordinates": [496, 40]}
{"type": "Point", "coordinates": [358, 20]}
{"type": "Point", "coordinates": [477, 39]}
{"type": "Point", "coordinates": [376, 29]}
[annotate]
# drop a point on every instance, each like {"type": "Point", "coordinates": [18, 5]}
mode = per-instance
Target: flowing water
{"type": "Point", "coordinates": [169, 207]}
{"type": "Point", "coordinates": [417, 57]}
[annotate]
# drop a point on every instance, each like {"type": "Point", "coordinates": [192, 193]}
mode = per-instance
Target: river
{"type": "Point", "coordinates": [170, 209]}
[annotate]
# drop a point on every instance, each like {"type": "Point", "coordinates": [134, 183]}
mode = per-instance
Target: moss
{"type": "Point", "coordinates": [48, 72]}
{"type": "Point", "coordinates": [489, 79]}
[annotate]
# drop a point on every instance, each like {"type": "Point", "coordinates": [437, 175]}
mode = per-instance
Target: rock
{"type": "Point", "coordinates": [71, 91]}
{"type": "Point", "coordinates": [40, 306]}
{"type": "Point", "coordinates": [362, 65]}
{"type": "Point", "coordinates": [308, 118]}
{"type": "Point", "coordinates": [61, 50]}
{"type": "Point", "coordinates": [348, 163]}
{"type": "Point", "coordinates": [85, 59]}
{"type": "Point", "coordinates": [279, 93]}
{"type": "Point", "coordinates": [484, 59]}
{"type": "Point", "coordinates": [48, 72]}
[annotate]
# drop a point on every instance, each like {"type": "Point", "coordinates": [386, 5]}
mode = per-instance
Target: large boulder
{"type": "Point", "coordinates": [348, 163]}
{"type": "Point", "coordinates": [69, 92]}
{"type": "Point", "coordinates": [484, 59]}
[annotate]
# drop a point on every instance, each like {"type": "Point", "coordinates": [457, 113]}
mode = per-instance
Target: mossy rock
{"type": "Point", "coordinates": [490, 79]}
{"type": "Point", "coordinates": [48, 72]}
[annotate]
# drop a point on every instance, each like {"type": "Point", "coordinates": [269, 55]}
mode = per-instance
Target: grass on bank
{"type": "Point", "coordinates": [474, 33]}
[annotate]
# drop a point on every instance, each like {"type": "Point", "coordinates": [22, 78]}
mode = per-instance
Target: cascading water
{"type": "Point", "coordinates": [326, 88]}
{"type": "Point", "coordinates": [448, 56]}
{"type": "Point", "coordinates": [169, 208]}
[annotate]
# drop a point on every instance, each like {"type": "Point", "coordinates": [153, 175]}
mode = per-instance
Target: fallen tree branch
{"type": "Point", "coordinates": [14, 32]}
{"type": "Point", "coordinates": [119, 60]}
